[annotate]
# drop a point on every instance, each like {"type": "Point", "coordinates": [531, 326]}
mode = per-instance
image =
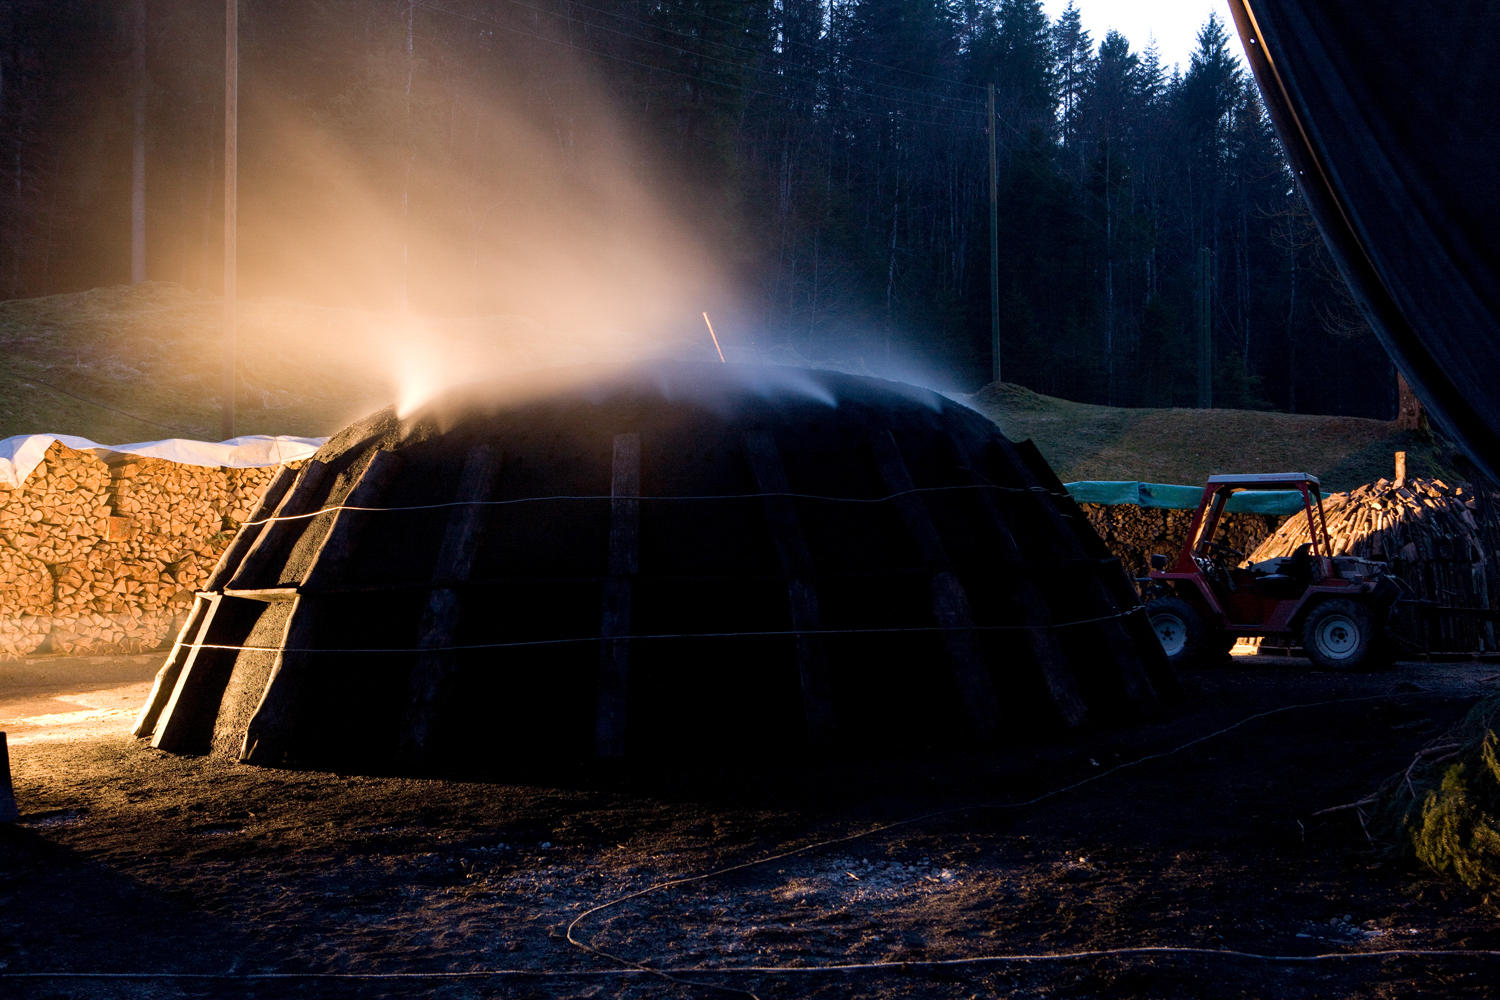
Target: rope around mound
{"type": "Point", "coordinates": [678, 975]}
{"type": "Point", "coordinates": [706, 497]}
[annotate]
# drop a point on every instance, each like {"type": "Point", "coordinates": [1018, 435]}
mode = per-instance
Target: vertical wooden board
{"type": "Point", "coordinates": [268, 732]}
{"type": "Point", "coordinates": [615, 616]}
{"type": "Point", "coordinates": [950, 604]}
{"type": "Point", "coordinates": [166, 678]}
{"type": "Point", "coordinates": [1046, 651]}
{"type": "Point", "coordinates": [230, 561]}
{"type": "Point", "coordinates": [1126, 635]}
{"type": "Point", "coordinates": [461, 538]}
{"type": "Point", "coordinates": [187, 721]}
{"type": "Point", "coordinates": [277, 537]}
{"type": "Point", "coordinates": [802, 594]}
{"type": "Point", "coordinates": [342, 535]}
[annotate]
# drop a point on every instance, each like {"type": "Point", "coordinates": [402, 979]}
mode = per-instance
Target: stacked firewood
{"type": "Point", "coordinates": [25, 602]}
{"type": "Point", "coordinates": [1133, 533]}
{"type": "Point", "coordinates": [1442, 541]}
{"type": "Point", "coordinates": [104, 558]}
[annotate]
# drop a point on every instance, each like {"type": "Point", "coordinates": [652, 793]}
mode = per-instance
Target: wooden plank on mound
{"type": "Point", "coordinates": [1046, 649]}
{"type": "Point", "coordinates": [455, 560]}
{"type": "Point", "coordinates": [1043, 489]}
{"type": "Point", "coordinates": [333, 551]}
{"type": "Point", "coordinates": [267, 734]}
{"type": "Point", "coordinates": [187, 721]}
{"type": "Point", "coordinates": [802, 594]}
{"type": "Point", "coordinates": [615, 617]}
{"type": "Point", "coordinates": [277, 538]}
{"type": "Point", "coordinates": [950, 603]}
{"type": "Point", "coordinates": [230, 561]}
{"type": "Point", "coordinates": [166, 678]}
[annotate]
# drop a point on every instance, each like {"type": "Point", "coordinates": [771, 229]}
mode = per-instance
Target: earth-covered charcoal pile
{"type": "Point", "coordinates": [1442, 541]}
{"type": "Point", "coordinates": [1133, 532]}
{"type": "Point", "coordinates": [103, 557]}
{"type": "Point", "coordinates": [732, 561]}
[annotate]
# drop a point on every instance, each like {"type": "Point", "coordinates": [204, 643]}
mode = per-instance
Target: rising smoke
{"type": "Point", "coordinates": [479, 197]}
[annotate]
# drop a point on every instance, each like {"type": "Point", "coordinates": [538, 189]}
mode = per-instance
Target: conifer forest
{"type": "Point", "coordinates": [832, 158]}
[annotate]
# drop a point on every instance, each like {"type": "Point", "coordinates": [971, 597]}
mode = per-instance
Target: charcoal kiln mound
{"type": "Point", "coordinates": [697, 562]}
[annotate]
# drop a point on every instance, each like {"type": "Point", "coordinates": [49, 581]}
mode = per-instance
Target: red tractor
{"type": "Point", "coordinates": [1336, 607]}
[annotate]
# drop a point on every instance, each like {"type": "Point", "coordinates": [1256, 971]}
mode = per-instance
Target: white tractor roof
{"type": "Point", "coordinates": [1264, 479]}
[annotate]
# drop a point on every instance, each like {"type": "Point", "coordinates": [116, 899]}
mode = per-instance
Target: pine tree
{"type": "Point", "coordinates": [1073, 51]}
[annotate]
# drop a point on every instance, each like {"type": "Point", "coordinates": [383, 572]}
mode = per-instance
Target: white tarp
{"type": "Point", "coordinates": [20, 454]}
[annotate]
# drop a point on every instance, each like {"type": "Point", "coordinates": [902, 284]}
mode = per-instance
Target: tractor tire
{"type": "Point", "coordinates": [1341, 634]}
{"type": "Point", "coordinates": [1183, 631]}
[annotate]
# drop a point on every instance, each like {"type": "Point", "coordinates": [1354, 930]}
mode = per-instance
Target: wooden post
{"type": "Point", "coordinates": [231, 210]}
{"type": "Point", "coordinates": [8, 811]}
{"type": "Point", "coordinates": [1400, 469]}
{"type": "Point", "coordinates": [624, 564]}
{"type": "Point", "coordinates": [994, 242]}
{"type": "Point", "coordinates": [138, 158]}
{"type": "Point", "coordinates": [1205, 329]}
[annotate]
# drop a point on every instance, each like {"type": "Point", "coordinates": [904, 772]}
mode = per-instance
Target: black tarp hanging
{"type": "Point", "coordinates": [1387, 113]}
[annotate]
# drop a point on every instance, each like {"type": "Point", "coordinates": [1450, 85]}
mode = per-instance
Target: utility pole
{"type": "Point", "coordinates": [231, 208]}
{"type": "Point", "coordinates": [138, 157]}
{"type": "Point", "coordinates": [1205, 329]}
{"type": "Point", "coordinates": [994, 245]}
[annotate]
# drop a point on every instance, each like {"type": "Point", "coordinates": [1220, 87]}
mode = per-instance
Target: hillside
{"type": "Point", "coordinates": [132, 363]}
{"type": "Point", "coordinates": [1085, 441]}
{"type": "Point", "coordinates": [135, 363]}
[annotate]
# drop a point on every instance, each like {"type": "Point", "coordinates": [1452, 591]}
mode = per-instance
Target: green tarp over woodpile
{"type": "Point", "coordinates": [1273, 502]}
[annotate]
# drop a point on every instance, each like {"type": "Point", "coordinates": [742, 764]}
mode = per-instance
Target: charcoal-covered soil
{"type": "Point", "coordinates": [1179, 859]}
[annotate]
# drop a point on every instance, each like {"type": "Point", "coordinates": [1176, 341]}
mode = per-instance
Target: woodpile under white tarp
{"type": "Point", "coordinates": [101, 551]}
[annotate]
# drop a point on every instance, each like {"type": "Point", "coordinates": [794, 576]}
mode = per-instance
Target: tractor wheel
{"type": "Point", "coordinates": [1341, 634]}
{"type": "Point", "coordinates": [1182, 630]}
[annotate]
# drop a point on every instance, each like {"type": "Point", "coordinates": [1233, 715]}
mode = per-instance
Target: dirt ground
{"type": "Point", "coordinates": [1176, 859]}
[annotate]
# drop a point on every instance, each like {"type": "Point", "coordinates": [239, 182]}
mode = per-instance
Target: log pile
{"type": "Point", "coordinates": [1443, 541]}
{"type": "Point", "coordinates": [104, 557]}
{"type": "Point", "coordinates": [1133, 532]}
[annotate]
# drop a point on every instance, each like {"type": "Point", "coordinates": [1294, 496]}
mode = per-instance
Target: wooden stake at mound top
{"type": "Point", "coordinates": [8, 811]}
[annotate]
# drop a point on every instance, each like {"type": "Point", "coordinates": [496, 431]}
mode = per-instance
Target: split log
{"type": "Point", "coordinates": [25, 584]}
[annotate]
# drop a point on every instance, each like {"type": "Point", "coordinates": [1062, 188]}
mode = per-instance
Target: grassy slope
{"type": "Point", "coordinates": [136, 363]}
{"type": "Point", "coordinates": [1085, 441]}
